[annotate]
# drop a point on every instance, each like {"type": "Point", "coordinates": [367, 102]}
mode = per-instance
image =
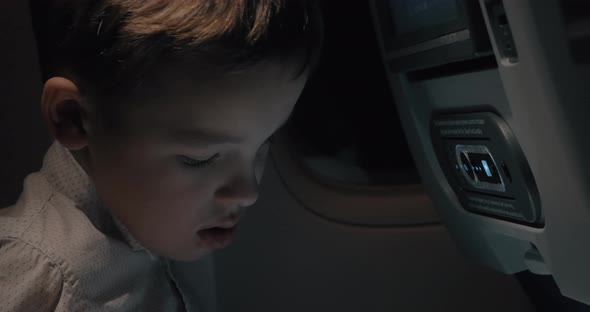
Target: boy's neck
{"type": "Point", "coordinates": [81, 157]}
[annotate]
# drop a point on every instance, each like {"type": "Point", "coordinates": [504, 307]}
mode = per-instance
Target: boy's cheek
{"type": "Point", "coordinates": [260, 164]}
{"type": "Point", "coordinates": [259, 171]}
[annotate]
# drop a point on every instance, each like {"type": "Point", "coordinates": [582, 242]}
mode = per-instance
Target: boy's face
{"type": "Point", "coordinates": [192, 156]}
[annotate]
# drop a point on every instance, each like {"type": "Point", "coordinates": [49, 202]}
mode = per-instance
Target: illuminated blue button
{"type": "Point", "coordinates": [486, 168]}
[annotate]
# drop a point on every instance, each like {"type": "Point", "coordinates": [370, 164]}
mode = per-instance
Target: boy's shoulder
{"type": "Point", "coordinates": [95, 267]}
{"type": "Point", "coordinates": [49, 222]}
{"type": "Point", "coordinates": [44, 219]}
{"type": "Point", "coordinates": [17, 220]}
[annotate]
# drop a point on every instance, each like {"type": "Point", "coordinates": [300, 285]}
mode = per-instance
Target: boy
{"type": "Point", "coordinates": [161, 113]}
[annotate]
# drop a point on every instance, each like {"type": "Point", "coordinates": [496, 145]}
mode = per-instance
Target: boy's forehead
{"type": "Point", "coordinates": [177, 81]}
{"type": "Point", "coordinates": [260, 98]}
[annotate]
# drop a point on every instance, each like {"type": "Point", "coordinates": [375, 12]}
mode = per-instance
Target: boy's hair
{"type": "Point", "coordinates": [108, 47]}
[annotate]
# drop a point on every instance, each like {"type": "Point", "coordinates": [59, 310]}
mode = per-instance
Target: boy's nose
{"type": "Point", "coordinates": [238, 192]}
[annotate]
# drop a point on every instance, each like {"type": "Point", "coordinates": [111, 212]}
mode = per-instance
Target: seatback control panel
{"type": "Point", "coordinates": [486, 167]}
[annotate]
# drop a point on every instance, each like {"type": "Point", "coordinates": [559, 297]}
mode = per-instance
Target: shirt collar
{"type": "Point", "coordinates": [66, 175]}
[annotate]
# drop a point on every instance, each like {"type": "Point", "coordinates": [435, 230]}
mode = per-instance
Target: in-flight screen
{"type": "Point", "coordinates": [413, 15]}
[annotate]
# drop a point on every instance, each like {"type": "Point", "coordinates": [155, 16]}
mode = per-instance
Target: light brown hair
{"type": "Point", "coordinates": [108, 47]}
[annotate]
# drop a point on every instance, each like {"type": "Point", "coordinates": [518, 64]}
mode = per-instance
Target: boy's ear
{"type": "Point", "coordinates": [64, 113]}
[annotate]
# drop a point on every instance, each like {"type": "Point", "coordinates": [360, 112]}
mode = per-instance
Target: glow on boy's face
{"type": "Point", "coordinates": [192, 156]}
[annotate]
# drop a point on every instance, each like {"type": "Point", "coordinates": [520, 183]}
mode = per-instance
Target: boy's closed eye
{"type": "Point", "coordinates": [205, 162]}
{"type": "Point", "coordinates": [196, 163]}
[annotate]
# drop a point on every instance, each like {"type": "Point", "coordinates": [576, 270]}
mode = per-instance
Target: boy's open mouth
{"type": "Point", "coordinates": [217, 237]}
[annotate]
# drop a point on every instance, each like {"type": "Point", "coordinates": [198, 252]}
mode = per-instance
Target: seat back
{"type": "Point", "coordinates": [23, 135]}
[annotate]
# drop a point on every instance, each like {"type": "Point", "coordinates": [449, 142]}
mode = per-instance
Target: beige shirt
{"type": "Point", "coordinates": [61, 250]}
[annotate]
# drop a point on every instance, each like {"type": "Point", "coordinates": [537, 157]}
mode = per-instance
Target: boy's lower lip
{"type": "Point", "coordinates": [216, 238]}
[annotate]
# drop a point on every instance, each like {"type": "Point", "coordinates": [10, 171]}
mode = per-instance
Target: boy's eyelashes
{"type": "Point", "coordinates": [196, 163]}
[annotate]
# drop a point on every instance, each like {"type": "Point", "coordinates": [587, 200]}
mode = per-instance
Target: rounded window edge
{"type": "Point", "coordinates": [386, 205]}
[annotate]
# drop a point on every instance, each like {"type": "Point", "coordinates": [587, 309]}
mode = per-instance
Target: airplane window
{"type": "Point", "coordinates": [346, 126]}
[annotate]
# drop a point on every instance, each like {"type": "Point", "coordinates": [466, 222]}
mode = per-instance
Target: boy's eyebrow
{"type": "Point", "coordinates": [203, 136]}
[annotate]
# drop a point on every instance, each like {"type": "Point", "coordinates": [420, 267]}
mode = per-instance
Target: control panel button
{"type": "Point", "coordinates": [479, 167]}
